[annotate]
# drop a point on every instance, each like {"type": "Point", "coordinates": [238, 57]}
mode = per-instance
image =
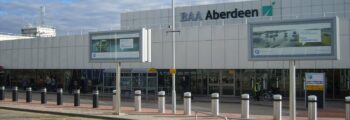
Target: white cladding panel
{"type": "Point", "coordinates": [205, 54]}
{"type": "Point", "coordinates": [157, 59]}
{"type": "Point", "coordinates": [41, 58]}
{"type": "Point", "coordinates": [71, 57]}
{"type": "Point", "coordinates": [181, 54]}
{"type": "Point", "coordinates": [34, 58]}
{"type": "Point", "coordinates": [79, 57]}
{"type": "Point", "coordinates": [63, 57]}
{"type": "Point", "coordinates": [243, 55]}
{"type": "Point", "coordinates": [27, 59]}
{"type": "Point", "coordinates": [49, 57]}
{"type": "Point", "coordinates": [218, 54]}
{"type": "Point", "coordinates": [167, 55]}
{"type": "Point", "coordinates": [15, 59]}
{"type": "Point", "coordinates": [192, 55]}
{"type": "Point", "coordinates": [231, 53]}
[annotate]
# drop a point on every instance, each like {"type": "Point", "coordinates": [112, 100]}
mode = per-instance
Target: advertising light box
{"type": "Point", "coordinates": [307, 39]}
{"type": "Point", "coordinates": [314, 81]}
{"type": "Point", "coordinates": [120, 46]}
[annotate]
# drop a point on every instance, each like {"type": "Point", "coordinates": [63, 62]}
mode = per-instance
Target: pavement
{"type": "Point", "coordinates": [22, 115]}
{"type": "Point", "coordinates": [229, 108]}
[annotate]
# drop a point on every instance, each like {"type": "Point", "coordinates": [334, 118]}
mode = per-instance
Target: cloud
{"type": "Point", "coordinates": [74, 16]}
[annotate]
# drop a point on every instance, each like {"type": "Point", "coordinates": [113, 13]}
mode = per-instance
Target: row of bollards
{"type": "Point", "coordinates": [277, 105]}
{"type": "Point", "coordinates": [277, 102]}
{"type": "Point", "coordinates": [43, 92]}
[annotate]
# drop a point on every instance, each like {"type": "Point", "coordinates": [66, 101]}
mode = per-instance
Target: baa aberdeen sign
{"type": "Point", "coordinates": [215, 15]}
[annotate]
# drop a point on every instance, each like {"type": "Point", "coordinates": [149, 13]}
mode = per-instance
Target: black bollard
{"type": "Point", "coordinates": [43, 96]}
{"type": "Point", "coordinates": [77, 97]}
{"type": "Point", "coordinates": [95, 99]}
{"type": "Point", "coordinates": [59, 96]}
{"type": "Point", "coordinates": [29, 95]}
{"type": "Point", "coordinates": [14, 94]}
{"type": "Point", "coordinates": [2, 93]}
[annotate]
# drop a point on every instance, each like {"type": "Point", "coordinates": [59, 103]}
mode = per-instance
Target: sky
{"type": "Point", "coordinates": [77, 16]}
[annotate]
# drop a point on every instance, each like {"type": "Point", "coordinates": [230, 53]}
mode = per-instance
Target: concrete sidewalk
{"type": "Point", "coordinates": [149, 110]}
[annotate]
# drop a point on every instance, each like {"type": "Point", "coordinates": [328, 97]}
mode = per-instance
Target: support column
{"type": "Point", "coordinates": [292, 103]}
{"type": "Point", "coordinates": [117, 88]}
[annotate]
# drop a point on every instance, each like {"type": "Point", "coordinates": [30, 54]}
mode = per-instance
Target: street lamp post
{"type": "Point", "coordinates": [173, 69]}
{"type": "Point", "coordinates": [173, 74]}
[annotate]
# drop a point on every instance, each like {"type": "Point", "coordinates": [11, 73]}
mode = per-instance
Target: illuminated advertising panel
{"type": "Point", "coordinates": [294, 40]}
{"type": "Point", "coordinates": [120, 46]}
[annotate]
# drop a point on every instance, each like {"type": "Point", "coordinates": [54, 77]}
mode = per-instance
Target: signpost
{"type": "Point", "coordinates": [120, 46]}
{"type": "Point", "coordinates": [315, 85]}
{"type": "Point", "coordinates": [303, 39]}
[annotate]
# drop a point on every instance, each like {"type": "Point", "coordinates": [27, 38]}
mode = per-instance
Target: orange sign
{"type": "Point", "coordinates": [172, 71]}
{"type": "Point", "coordinates": [152, 70]}
{"type": "Point", "coordinates": [232, 72]}
{"type": "Point", "coordinates": [315, 87]}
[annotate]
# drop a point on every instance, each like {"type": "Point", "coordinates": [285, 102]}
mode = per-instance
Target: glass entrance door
{"type": "Point", "coordinates": [228, 83]}
{"type": "Point", "coordinates": [224, 82]}
{"type": "Point", "coordinates": [131, 81]}
{"type": "Point", "coordinates": [152, 84]}
{"type": "Point", "coordinates": [214, 80]}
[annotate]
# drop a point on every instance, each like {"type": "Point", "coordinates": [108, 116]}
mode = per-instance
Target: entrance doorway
{"type": "Point", "coordinates": [131, 80]}
{"type": "Point", "coordinates": [225, 82]}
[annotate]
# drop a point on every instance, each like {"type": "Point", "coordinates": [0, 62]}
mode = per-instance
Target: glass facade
{"type": "Point", "coordinates": [201, 82]}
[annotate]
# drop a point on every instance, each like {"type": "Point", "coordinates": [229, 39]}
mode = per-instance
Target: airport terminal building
{"type": "Point", "coordinates": [211, 53]}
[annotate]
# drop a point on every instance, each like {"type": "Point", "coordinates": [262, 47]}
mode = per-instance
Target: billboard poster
{"type": "Point", "coordinates": [119, 46]}
{"type": "Point", "coordinates": [293, 40]}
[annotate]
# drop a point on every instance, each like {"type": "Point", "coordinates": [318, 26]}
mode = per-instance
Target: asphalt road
{"type": "Point", "coordinates": [19, 115]}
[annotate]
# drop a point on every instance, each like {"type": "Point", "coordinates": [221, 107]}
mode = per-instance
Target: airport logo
{"type": "Point", "coordinates": [267, 10]}
{"type": "Point", "coordinates": [191, 16]}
